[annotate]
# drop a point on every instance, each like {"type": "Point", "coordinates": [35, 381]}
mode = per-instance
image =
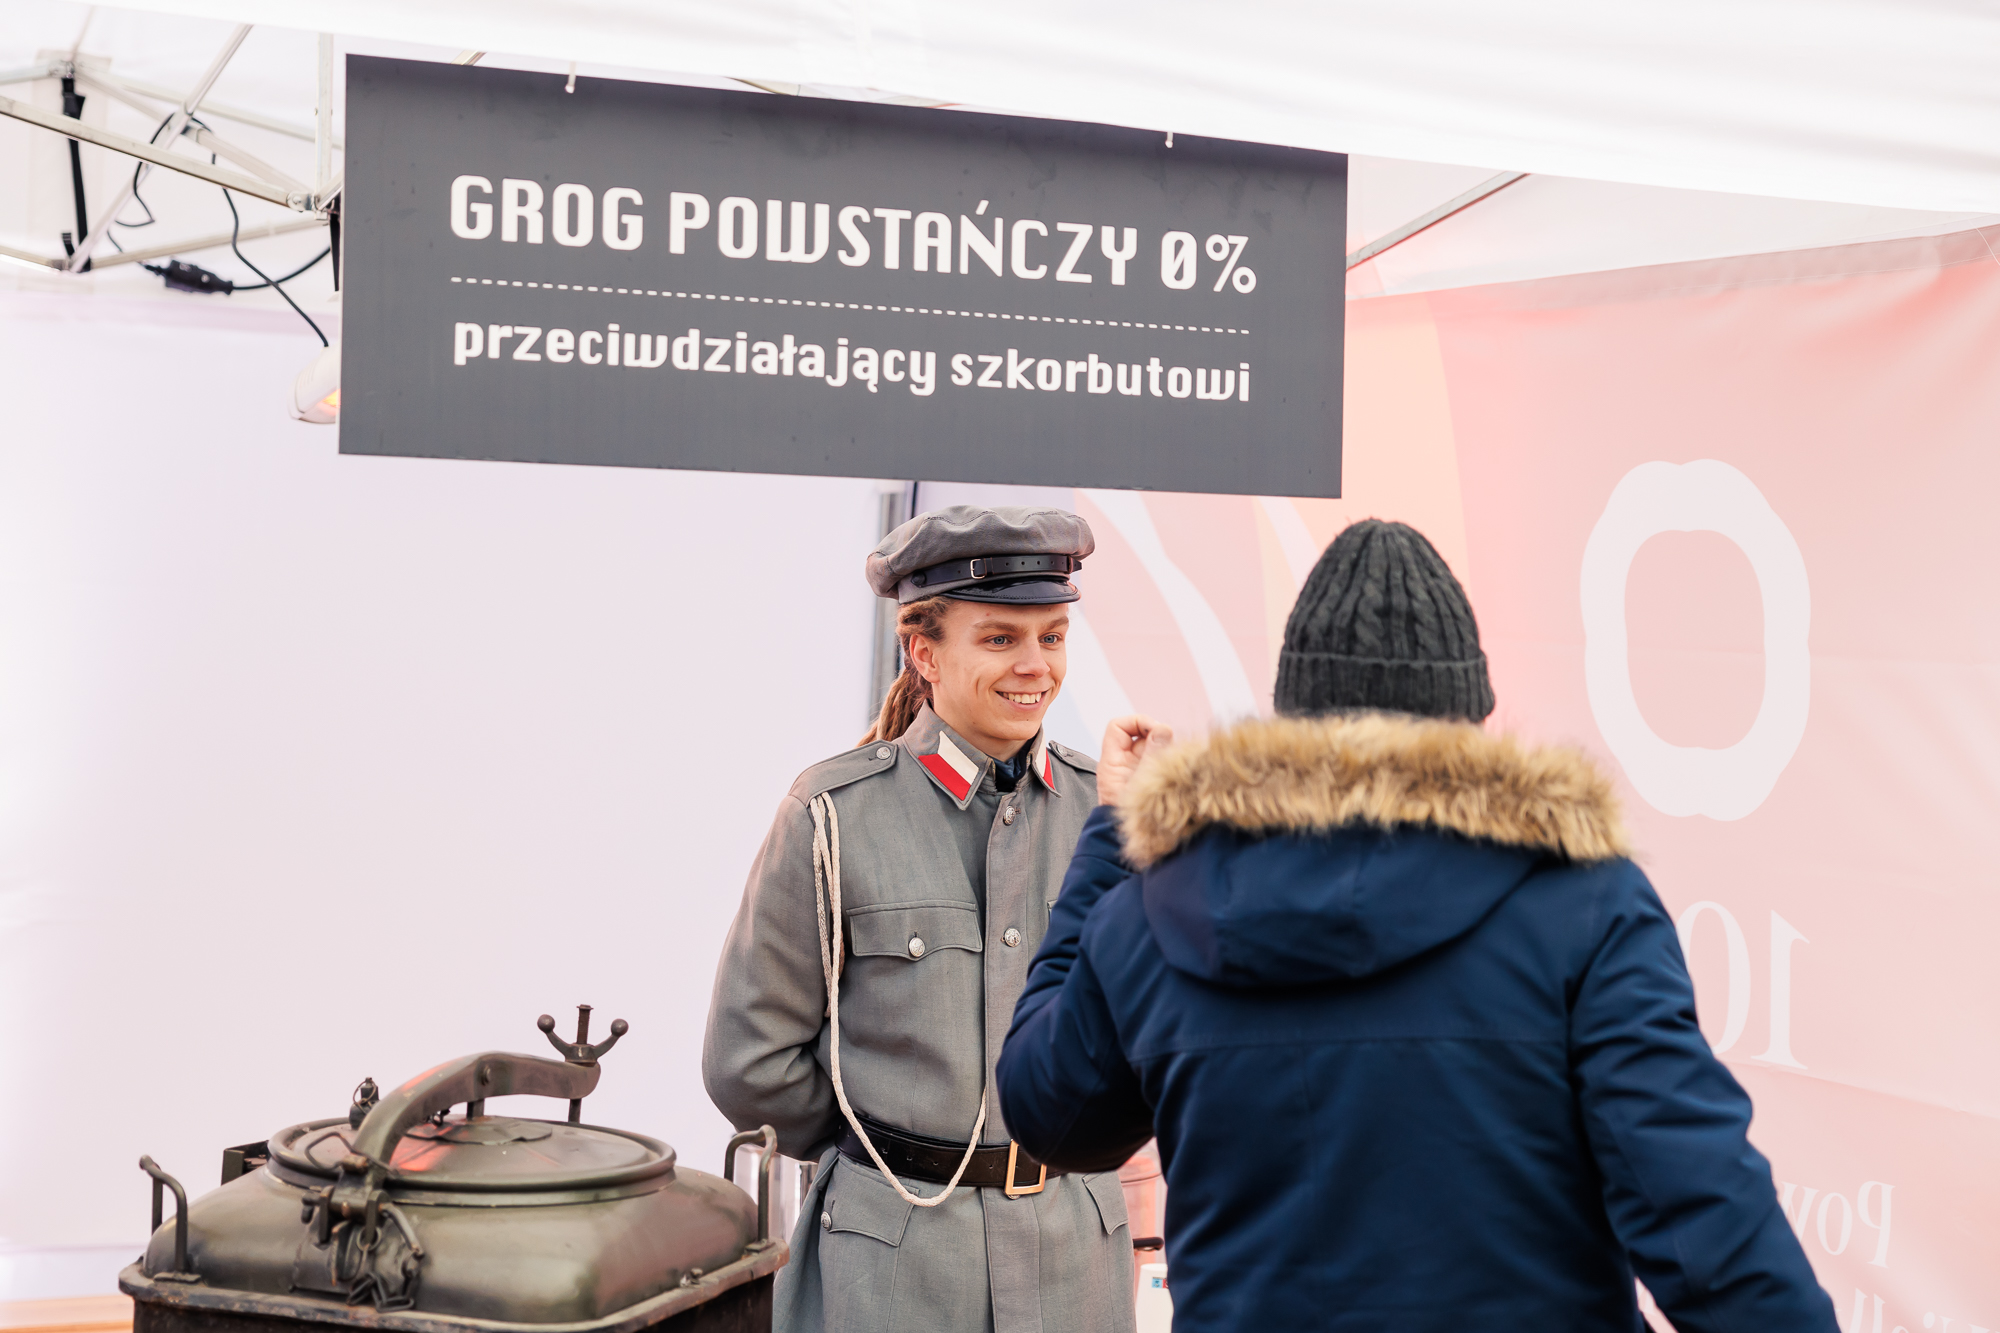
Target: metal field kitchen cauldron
{"type": "Point", "coordinates": [403, 1216]}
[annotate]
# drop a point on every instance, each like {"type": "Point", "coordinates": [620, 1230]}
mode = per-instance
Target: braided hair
{"type": "Point", "coordinates": [911, 691]}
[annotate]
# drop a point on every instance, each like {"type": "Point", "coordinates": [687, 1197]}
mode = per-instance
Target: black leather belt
{"type": "Point", "coordinates": [934, 1160]}
{"type": "Point", "coordinates": [994, 566]}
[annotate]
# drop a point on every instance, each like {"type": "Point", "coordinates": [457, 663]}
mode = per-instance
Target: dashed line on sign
{"type": "Point", "coordinates": [848, 305]}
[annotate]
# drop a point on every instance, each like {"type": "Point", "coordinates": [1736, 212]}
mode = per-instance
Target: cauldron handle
{"type": "Point", "coordinates": [766, 1165]}
{"type": "Point", "coordinates": [180, 1271]}
{"type": "Point", "coordinates": [472, 1078]}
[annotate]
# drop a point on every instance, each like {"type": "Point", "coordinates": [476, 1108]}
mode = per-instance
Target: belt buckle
{"type": "Point", "coordinates": [1008, 1187]}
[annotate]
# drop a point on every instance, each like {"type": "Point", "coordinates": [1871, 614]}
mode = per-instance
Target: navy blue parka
{"type": "Point", "coordinates": [1416, 1040]}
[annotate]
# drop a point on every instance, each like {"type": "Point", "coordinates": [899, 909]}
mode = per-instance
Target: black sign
{"type": "Point", "coordinates": [646, 275]}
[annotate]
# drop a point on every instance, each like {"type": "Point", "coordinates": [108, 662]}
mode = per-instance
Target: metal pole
{"type": "Point", "coordinates": [48, 69]}
{"type": "Point", "coordinates": [25, 257]}
{"type": "Point", "coordinates": [325, 126]}
{"type": "Point", "coordinates": [77, 47]}
{"type": "Point", "coordinates": [1390, 240]}
{"type": "Point", "coordinates": [896, 508]}
{"type": "Point", "coordinates": [171, 132]}
{"type": "Point", "coordinates": [225, 112]}
{"type": "Point", "coordinates": [256, 232]}
{"type": "Point", "coordinates": [146, 152]}
{"type": "Point", "coordinates": [214, 143]}
{"type": "Point", "coordinates": [208, 139]}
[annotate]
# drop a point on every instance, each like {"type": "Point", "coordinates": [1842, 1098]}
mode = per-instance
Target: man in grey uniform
{"type": "Point", "coordinates": [919, 869]}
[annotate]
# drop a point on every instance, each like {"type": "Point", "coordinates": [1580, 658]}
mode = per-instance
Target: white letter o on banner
{"type": "Point", "coordinates": [1703, 496]}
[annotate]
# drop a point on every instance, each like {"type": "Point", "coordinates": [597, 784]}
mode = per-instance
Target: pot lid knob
{"type": "Point", "coordinates": [580, 1051]}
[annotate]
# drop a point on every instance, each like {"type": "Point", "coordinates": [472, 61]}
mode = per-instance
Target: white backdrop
{"type": "Point", "coordinates": [316, 767]}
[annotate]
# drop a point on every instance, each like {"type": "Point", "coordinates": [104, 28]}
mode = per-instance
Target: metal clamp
{"type": "Point", "coordinates": [163, 1181]}
{"type": "Point", "coordinates": [321, 1208]}
{"type": "Point", "coordinates": [366, 1094]}
{"type": "Point", "coordinates": [766, 1166]}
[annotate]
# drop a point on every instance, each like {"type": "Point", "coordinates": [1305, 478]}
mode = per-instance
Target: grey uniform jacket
{"type": "Point", "coordinates": [946, 888]}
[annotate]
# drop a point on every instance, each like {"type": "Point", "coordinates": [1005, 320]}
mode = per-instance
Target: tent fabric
{"type": "Point", "coordinates": [1726, 527]}
{"type": "Point", "coordinates": [1544, 226]}
{"type": "Point", "coordinates": [1885, 102]}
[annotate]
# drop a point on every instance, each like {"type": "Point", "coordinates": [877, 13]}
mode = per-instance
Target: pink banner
{"type": "Point", "coordinates": [1727, 526]}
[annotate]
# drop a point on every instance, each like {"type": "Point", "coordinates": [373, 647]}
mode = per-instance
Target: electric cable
{"type": "Point", "coordinates": [139, 199]}
{"type": "Point", "coordinates": [235, 228]}
{"type": "Point", "coordinates": [139, 171]}
{"type": "Point", "coordinates": [179, 274]}
{"type": "Point", "coordinates": [272, 282]}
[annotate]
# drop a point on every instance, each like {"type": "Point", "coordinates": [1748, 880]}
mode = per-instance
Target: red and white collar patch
{"type": "Point", "coordinates": [1045, 765]}
{"type": "Point", "coordinates": [953, 771]}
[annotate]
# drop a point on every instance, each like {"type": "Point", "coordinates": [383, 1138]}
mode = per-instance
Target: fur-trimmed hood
{"type": "Point", "coordinates": [1384, 770]}
{"type": "Point", "coordinates": [1301, 851]}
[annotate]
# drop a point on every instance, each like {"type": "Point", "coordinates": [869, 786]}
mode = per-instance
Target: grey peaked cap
{"type": "Point", "coordinates": [1010, 554]}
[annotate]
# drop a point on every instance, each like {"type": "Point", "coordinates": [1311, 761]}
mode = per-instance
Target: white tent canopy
{"type": "Point", "coordinates": [1882, 102]}
{"type": "Point", "coordinates": [1652, 135]}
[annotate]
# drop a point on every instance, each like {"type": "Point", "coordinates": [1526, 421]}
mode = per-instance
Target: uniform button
{"type": "Point", "coordinates": [1012, 938]}
{"type": "Point", "coordinates": [1007, 815]}
{"type": "Point", "coordinates": [881, 752]}
{"type": "Point", "coordinates": [916, 947]}
{"type": "Point", "coordinates": [826, 1221]}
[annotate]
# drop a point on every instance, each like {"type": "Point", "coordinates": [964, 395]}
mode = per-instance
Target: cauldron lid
{"type": "Point", "coordinates": [485, 1153]}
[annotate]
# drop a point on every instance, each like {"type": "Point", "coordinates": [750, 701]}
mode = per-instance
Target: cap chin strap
{"type": "Point", "coordinates": [832, 957]}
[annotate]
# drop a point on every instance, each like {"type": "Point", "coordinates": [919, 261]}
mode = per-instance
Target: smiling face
{"type": "Point", "coordinates": [995, 671]}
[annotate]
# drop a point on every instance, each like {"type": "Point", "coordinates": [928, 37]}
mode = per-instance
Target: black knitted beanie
{"type": "Point", "coordinates": [1381, 623]}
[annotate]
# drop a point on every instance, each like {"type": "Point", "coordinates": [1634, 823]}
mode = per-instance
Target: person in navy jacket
{"type": "Point", "coordinates": [1414, 1033]}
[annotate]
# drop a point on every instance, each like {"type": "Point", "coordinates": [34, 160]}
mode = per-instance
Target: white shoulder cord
{"type": "Point", "coordinates": [832, 956]}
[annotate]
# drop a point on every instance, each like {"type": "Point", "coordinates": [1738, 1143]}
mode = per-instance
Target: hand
{"type": "Point", "coordinates": [1127, 742]}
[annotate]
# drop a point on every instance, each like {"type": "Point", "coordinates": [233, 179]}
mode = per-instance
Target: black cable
{"type": "Point", "coordinates": [138, 172]}
{"type": "Point", "coordinates": [236, 226]}
{"type": "Point", "coordinates": [140, 199]}
{"type": "Point", "coordinates": [260, 286]}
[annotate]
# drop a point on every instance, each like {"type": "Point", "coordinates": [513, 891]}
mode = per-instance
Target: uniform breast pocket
{"type": "Point", "coordinates": [913, 930]}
